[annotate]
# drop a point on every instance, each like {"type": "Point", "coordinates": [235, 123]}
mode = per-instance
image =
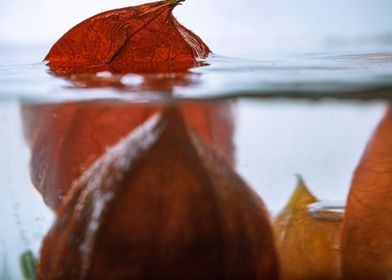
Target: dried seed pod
{"type": "Point", "coordinates": [308, 248]}
{"type": "Point", "coordinates": [160, 205]}
{"type": "Point", "coordinates": [367, 226]}
{"type": "Point", "coordinates": [66, 139]}
{"type": "Point", "coordinates": [145, 38]}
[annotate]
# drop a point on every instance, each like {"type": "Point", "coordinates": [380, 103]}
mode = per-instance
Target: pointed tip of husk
{"type": "Point", "coordinates": [301, 197]}
{"type": "Point", "coordinates": [174, 2]}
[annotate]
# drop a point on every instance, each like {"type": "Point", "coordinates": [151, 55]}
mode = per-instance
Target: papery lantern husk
{"type": "Point", "coordinates": [65, 139]}
{"type": "Point", "coordinates": [367, 225]}
{"type": "Point", "coordinates": [138, 39]}
{"type": "Point", "coordinates": [160, 205]}
{"type": "Point", "coordinates": [308, 247]}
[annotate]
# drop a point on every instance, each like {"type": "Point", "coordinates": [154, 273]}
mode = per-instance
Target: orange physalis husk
{"type": "Point", "coordinates": [66, 138]}
{"type": "Point", "coordinates": [367, 227]}
{"type": "Point", "coordinates": [308, 247]}
{"type": "Point", "coordinates": [160, 204]}
{"type": "Point", "coordinates": [139, 39]}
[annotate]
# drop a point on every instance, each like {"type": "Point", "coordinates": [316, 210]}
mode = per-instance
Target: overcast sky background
{"type": "Point", "coordinates": [225, 25]}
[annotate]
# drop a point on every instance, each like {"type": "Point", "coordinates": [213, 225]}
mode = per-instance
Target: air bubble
{"type": "Point", "coordinates": [329, 211]}
{"type": "Point", "coordinates": [132, 80]}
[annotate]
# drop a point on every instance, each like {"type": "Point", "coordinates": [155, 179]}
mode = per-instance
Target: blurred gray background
{"type": "Point", "coordinates": [229, 27]}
